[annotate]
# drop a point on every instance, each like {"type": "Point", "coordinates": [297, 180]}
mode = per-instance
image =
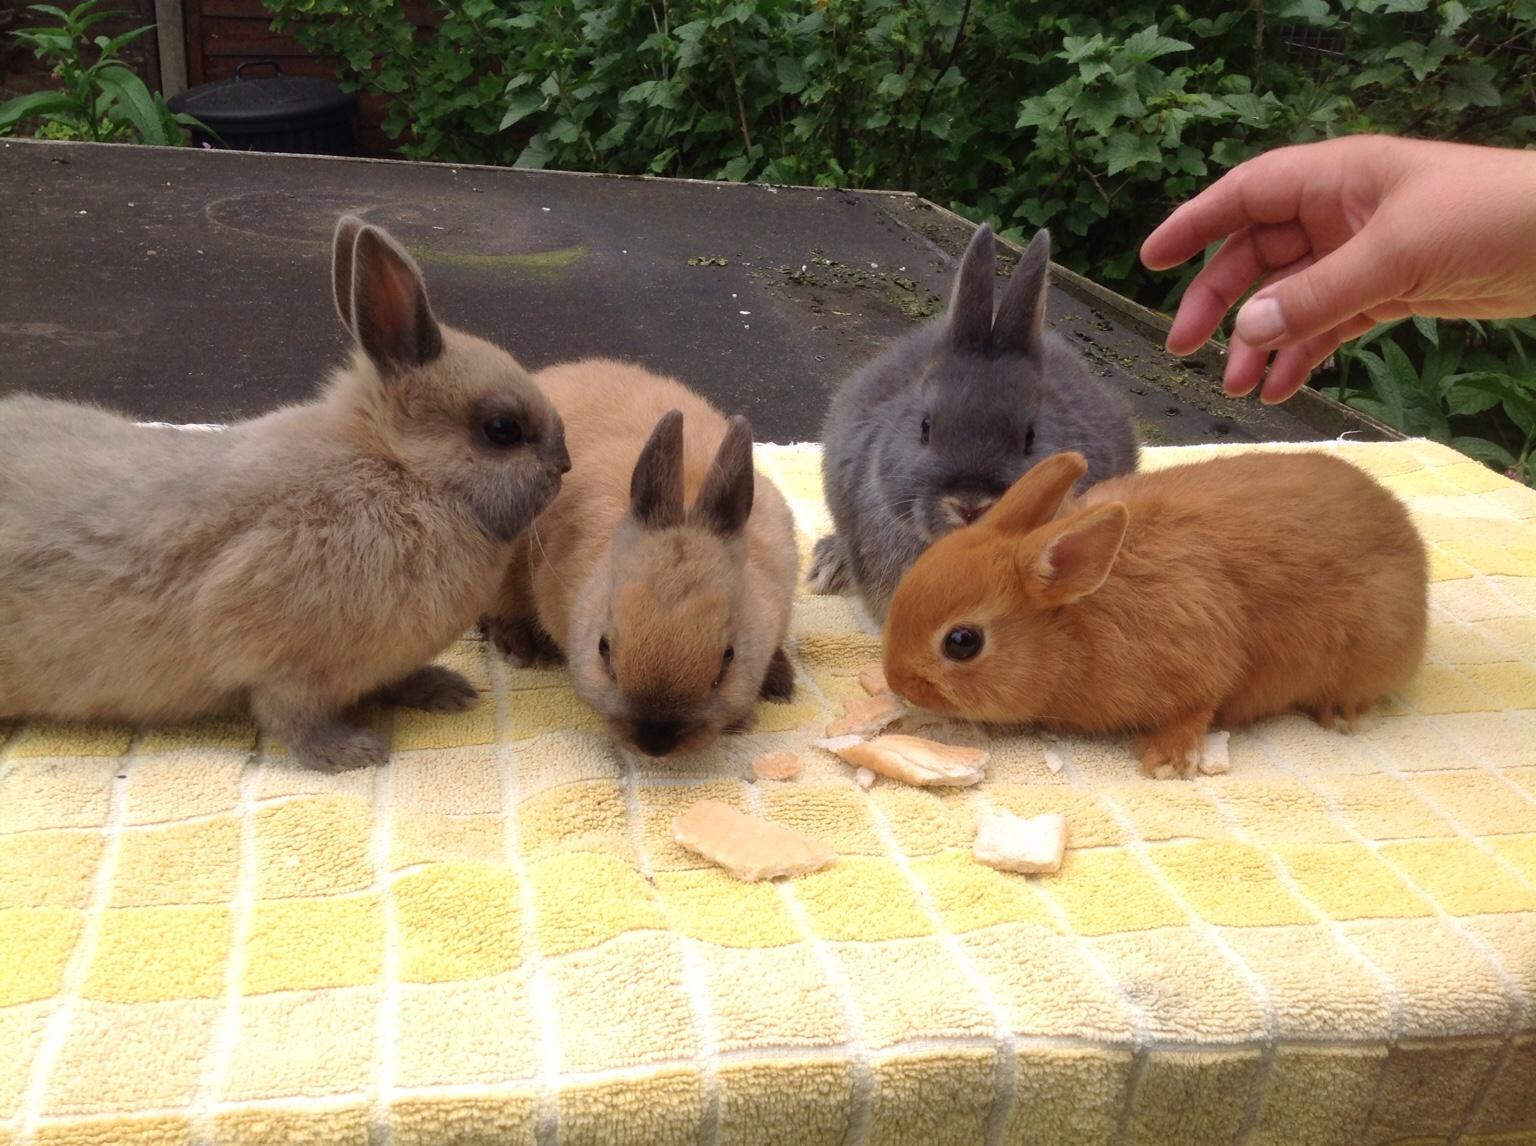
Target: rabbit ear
{"type": "Point", "coordinates": [347, 228]}
{"type": "Point", "coordinates": [1077, 557]}
{"type": "Point", "coordinates": [725, 501]}
{"type": "Point", "coordinates": [1034, 499]}
{"type": "Point", "coordinates": [1020, 325]}
{"type": "Point", "coordinates": [390, 313]}
{"type": "Point", "coordinates": [970, 304]}
{"type": "Point", "coordinates": [656, 487]}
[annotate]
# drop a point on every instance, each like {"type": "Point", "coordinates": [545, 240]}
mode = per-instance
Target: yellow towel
{"type": "Point", "coordinates": [494, 939]}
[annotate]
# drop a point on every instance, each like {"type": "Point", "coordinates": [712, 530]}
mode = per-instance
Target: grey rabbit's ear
{"type": "Point", "coordinates": [970, 304]}
{"type": "Point", "coordinates": [1020, 325]}
{"type": "Point", "coordinates": [725, 501]}
{"type": "Point", "coordinates": [345, 239]}
{"type": "Point", "coordinates": [656, 487]}
{"type": "Point", "coordinates": [390, 313]}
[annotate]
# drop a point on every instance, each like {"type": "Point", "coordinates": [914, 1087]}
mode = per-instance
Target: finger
{"type": "Point", "coordinates": [1265, 189]}
{"type": "Point", "coordinates": [1245, 368]}
{"type": "Point", "coordinates": [1293, 365]}
{"type": "Point", "coordinates": [1361, 274]}
{"type": "Point", "coordinates": [1246, 257]}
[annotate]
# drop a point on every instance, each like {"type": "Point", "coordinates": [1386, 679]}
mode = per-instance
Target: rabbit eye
{"type": "Point", "coordinates": [605, 651]}
{"type": "Point", "coordinates": [725, 663]}
{"type": "Point", "coordinates": [502, 431]}
{"type": "Point", "coordinates": [963, 642]}
{"type": "Point", "coordinates": [927, 429]}
{"type": "Point", "coordinates": [1029, 439]}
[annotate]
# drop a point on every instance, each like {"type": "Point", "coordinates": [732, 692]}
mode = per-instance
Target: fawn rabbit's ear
{"type": "Point", "coordinates": [725, 501]}
{"type": "Point", "coordinates": [1077, 555]}
{"type": "Point", "coordinates": [970, 304]}
{"type": "Point", "coordinates": [656, 487]}
{"type": "Point", "coordinates": [1034, 499]}
{"type": "Point", "coordinates": [347, 228]}
{"type": "Point", "coordinates": [1020, 325]}
{"type": "Point", "coordinates": [390, 313]}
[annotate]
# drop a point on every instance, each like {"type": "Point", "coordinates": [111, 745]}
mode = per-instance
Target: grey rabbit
{"type": "Point", "coordinates": [927, 436]}
{"type": "Point", "coordinates": [293, 564]}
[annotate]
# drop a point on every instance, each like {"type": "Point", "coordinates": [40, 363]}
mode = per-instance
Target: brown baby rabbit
{"type": "Point", "coordinates": [664, 570]}
{"type": "Point", "coordinates": [295, 563]}
{"type": "Point", "coordinates": [1221, 591]}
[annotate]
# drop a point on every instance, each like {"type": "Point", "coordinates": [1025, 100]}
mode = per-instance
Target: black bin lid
{"type": "Point", "coordinates": [250, 100]}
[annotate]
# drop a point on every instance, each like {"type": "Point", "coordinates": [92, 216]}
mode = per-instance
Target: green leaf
{"type": "Point", "coordinates": [1405, 5]}
{"type": "Point", "coordinates": [1452, 16]}
{"type": "Point", "coordinates": [1484, 451]}
{"type": "Point", "coordinates": [1388, 391]}
{"type": "Point", "coordinates": [1124, 151]}
{"type": "Point", "coordinates": [736, 170]}
{"type": "Point", "coordinates": [1310, 11]}
{"type": "Point", "coordinates": [1471, 85]}
{"type": "Point", "coordinates": [1428, 328]}
{"type": "Point", "coordinates": [791, 75]}
{"type": "Point", "coordinates": [1467, 400]}
{"type": "Point", "coordinates": [131, 103]}
{"type": "Point", "coordinates": [34, 104]}
{"type": "Point", "coordinates": [1149, 44]}
{"type": "Point", "coordinates": [536, 155]}
{"type": "Point", "coordinates": [519, 107]}
{"type": "Point", "coordinates": [893, 85]}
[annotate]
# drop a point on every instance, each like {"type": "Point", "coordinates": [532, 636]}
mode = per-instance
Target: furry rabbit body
{"type": "Point", "coordinates": [929, 434]}
{"type": "Point", "coordinates": [295, 563]}
{"type": "Point", "coordinates": [1219, 591]}
{"type": "Point", "coordinates": [665, 569]}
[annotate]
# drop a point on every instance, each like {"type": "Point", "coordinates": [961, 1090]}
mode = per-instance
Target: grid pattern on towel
{"type": "Point", "coordinates": [494, 938]}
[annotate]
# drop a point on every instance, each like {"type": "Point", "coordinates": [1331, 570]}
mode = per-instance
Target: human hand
{"type": "Point", "coordinates": [1343, 235]}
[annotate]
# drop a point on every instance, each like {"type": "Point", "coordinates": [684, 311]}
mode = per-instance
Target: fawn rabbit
{"type": "Point", "coordinates": [928, 435]}
{"type": "Point", "coordinates": [665, 568]}
{"type": "Point", "coordinates": [1224, 590]}
{"type": "Point", "coordinates": [295, 563]}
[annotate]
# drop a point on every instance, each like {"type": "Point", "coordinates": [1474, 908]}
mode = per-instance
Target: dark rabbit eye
{"type": "Point", "coordinates": [1029, 439]}
{"type": "Point", "coordinates": [963, 642]}
{"type": "Point", "coordinates": [603, 649]}
{"type": "Point", "coordinates": [927, 429]}
{"type": "Point", "coordinates": [503, 431]}
{"type": "Point", "coordinates": [725, 663]}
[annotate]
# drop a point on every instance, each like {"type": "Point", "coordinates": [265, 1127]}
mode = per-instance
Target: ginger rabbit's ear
{"type": "Point", "coordinates": [1075, 555]}
{"type": "Point", "coordinates": [1034, 499]}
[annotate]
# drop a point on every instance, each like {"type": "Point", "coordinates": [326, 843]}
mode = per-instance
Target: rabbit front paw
{"type": "Point", "coordinates": [829, 566]}
{"type": "Point", "coordinates": [523, 641]}
{"type": "Point", "coordinates": [338, 747]}
{"type": "Point", "coordinates": [1174, 750]}
{"type": "Point", "coordinates": [431, 689]}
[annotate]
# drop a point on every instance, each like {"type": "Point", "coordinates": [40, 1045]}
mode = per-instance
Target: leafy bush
{"type": "Point", "coordinates": [1093, 119]}
{"type": "Point", "coordinates": [100, 101]}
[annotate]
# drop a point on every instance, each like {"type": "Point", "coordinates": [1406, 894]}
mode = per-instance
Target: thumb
{"type": "Point", "coordinates": [1319, 296]}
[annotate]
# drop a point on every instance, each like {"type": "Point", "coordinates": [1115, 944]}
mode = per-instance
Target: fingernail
{"type": "Point", "coordinates": [1260, 322]}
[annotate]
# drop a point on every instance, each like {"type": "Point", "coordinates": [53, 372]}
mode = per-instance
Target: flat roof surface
{"type": "Point", "coordinates": [193, 286]}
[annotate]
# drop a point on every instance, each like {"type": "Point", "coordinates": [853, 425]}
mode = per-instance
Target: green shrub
{"type": "Point", "coordinates": [1092, 119]}
{"type": "Point", "coordinates": [102, 100]}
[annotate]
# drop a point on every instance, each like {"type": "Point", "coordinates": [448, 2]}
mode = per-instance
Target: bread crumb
{"type": "Point", "coordinates": [1214, 756]}
{"type": "Point", "coordinates": [1053, 759]}
{"type": "Point", "coordinates": [913, 760]}
{"type": "Point", "coordinates": [749, 848]}
{"type": "Point", "coordinates": [868, 715]}
{"type": "Point", "coordinates": [872, 679]}
{"type": "Point", "coordinates": [1011, 843]}
{"type": "Point", "coordinates": [776, 766]}
{"type": "Point", "coordinates": [864, 778]}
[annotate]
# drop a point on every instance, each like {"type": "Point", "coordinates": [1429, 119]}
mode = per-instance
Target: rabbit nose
{"type": "Point", "coordinates": [968, 509]}
{"type": "Point", "coordinates": [657, 737]}
{"type": "Point", "coordinates": [562, 460]}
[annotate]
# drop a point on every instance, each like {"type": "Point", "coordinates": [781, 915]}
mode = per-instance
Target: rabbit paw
{"type": "Point", "coordinates": [1174, 750]}
{"type": "Point", "coordinates": [339, 748]}
{"type": "Point", "coordinates": [523, 641]}
{"type": "Point", "coordinates": [829, 566]}
{"type": "Point", "coordinates": [431, 689]}
{"type": "Point", "coordinates": [1341, 717]}
{"type": "Point", "coordinates": [779, 683]}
